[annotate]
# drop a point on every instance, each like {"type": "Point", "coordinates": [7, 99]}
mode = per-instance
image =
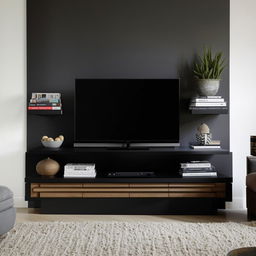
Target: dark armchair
{"type": "Point", "coordinates": [251, 188]}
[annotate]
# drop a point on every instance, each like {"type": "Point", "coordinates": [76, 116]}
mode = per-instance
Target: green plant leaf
{"type": "Point", "coordinates": [208, 65]}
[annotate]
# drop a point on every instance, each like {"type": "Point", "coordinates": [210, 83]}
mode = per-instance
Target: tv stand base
{"type": "Point", "coordinates": [145, 206]}
{"type": "Point", "coordinates": [127, 198]}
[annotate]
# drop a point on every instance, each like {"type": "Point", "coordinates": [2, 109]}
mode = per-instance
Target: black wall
{"type": "Point", "coordinates": [70, 39]}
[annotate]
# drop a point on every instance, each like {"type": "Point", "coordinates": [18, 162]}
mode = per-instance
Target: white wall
{"type": "Point", "coordinates": [243, 90]}
{"type": "Point", "coordinates": [12, 96]}
{"type": "Point", "coordinates": [13, 93]}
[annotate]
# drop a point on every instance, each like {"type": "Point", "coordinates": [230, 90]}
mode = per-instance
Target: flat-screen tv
{"type": "Point", "coordinates": [121, 112]}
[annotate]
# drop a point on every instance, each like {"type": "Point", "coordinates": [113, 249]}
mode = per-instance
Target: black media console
{"type": "Point", "coordinates": [164, 193]}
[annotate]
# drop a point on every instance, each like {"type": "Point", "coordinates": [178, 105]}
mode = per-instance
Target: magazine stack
{"type": "Point", "coordinates": [197, 169]}
{"type": "Point", "coordinates": [79, 170]}
{"type": "Point", "coordinates": [209, 102]}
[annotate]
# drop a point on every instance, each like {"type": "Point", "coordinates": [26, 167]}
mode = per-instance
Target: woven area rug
{"type": "Point", "coordinates": [126, 239]}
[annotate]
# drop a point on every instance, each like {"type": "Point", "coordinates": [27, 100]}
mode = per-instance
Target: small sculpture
{"type": "Point", "coordinates": [203, 137]}
{"type": "Point", "coordinates": [47, 167]}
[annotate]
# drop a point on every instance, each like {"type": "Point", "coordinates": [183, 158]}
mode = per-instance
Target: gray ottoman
{"type": "Point", "coordinates": [7, 211]}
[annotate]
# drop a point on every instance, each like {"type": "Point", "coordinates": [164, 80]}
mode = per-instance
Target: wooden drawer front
{"type": "Point", "coordinates": [149, 190]}
{"type": "Point", "coordinates": [61, 185]}
{"type": "Point", "coordinates": [125, 190]}
{"type": "Point", "coordinates": [197, 190]}
{"type": "Point", "coordinates": [181, 194]}
{"type": "Point", "coordinates": [150, 195]}
{"type": "Point", "coordinates": [106, 195]}
{"type": "Point", "coordinates": [106, 185]}
{"type": "Point", "coordinates": [62, 194]}
{"type": "Point", "coordinates": [191, 185]}
{"type": "Point", "coordinates": [149, 185]}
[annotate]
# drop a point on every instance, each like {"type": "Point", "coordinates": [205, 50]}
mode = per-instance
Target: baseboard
{"type": "Point", "coordinates": [238, 203]}
{"type": "Point", "coordinates": [19, 202]}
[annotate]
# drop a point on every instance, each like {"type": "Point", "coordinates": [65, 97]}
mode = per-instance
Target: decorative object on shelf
{"type": "Point", "coordinates": [49, 142]}
{"type": "Point", "coordinates": [204, 139]}
{"type": "Point", "coordinates": [208, 71]}
{"type": "Point", "coordinates": [47, 167]}
{"type": "Point", "coordinates": [208, 105]}
{"type": "Point", "coordinates": [203, 136]}
{"type": "Point", "coordinates": [253, 145]}
{"type": "Point", "coordinates": [45, 103]}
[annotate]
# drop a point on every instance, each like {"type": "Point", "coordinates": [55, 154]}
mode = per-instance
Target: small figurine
{"type": "Point", "coordinates": [203, 137]}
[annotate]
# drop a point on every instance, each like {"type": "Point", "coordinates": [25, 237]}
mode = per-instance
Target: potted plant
{"type": "Point", "coordinates": [208, 71]}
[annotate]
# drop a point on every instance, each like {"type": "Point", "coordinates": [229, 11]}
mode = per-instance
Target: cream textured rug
{"type": "Point", "coordinates": [125, 239]}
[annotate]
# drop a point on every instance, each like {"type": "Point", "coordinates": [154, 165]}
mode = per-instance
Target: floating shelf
{"type": "Point", "coordinates": [171, 151]}
{"type": "Point", "coordinates": [208, 111]}
{"type": "Point", "coordinates": [102, 179]}
{"type": "Point", "coordinates": [45, 112]}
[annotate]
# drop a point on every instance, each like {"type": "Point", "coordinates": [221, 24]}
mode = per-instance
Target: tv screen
{"type": "Point", "coordinates": [135, 111]}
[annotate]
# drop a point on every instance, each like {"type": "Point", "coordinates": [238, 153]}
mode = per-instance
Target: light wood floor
{"type": "Point", "coordinates": [24, 214]}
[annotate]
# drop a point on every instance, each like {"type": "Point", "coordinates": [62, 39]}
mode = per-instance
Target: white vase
{"type": "Point", "coordinates": [208, 87]}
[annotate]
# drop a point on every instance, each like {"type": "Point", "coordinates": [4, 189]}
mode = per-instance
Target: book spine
{"type": "Point", "coordinates": [39, 95]}
{"type": "Point", "coordinates": [44, 105]}
{"type": "Point", "coordinates": [79, 176]}
{"type": "Point", "coordinates": [198, 170]}
{"type": "Point", "coordinates": [79, 173]}
{"type": "Point", "coordinates": [82, 164]}
{"type": "Point", "coordinates": [44, 108]}
{"type": "Point", "coordinates": [195, 165]}
{"type": "Point", "coordinates": [205, 147]}
{"type": "Point", "coordinates": [208, 107]}
{"type": "Point", "coordinates": [208, 104]}
{"type": "Point", "coordinates": [199, 100]}
{"type": "Point", "coordinates": [44, 100]}
{"type": "Point", "coordinates": [79, 168]}
{"type": "Point", "coordinates": [210, 97]}
{"type": "Point", "coordinates": [199, 174]}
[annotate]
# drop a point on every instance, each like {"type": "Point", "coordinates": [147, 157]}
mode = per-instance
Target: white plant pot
{"type": "Point", "coordinates": [208, 87]}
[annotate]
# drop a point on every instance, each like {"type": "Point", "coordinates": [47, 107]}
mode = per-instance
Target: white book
{"type": "Point", "coordinates": [210, 97]}
{"type": "Point", "coordinates": [78, 168]}
{"type": "Point", "coordinates": [205, 147]}
{"type": "Point", "coordinates": [79, 176]}
{"type": "Point", "coordinates": [79, 173]}
{"type": "Point", "coordinates": [90, 165]}
{"type": "Point", "coordinates": [210, 174]}
{"type": "Point", "coordinates": [208, 104]}
{"type": "Point", "coordinates": [208, 100]}
{"type": "Point", "coordinates": [82, 174]}
{"type": "Point", "coordinates": [195, 165]}
{"type": "Point", "coordinates": [83, 164]}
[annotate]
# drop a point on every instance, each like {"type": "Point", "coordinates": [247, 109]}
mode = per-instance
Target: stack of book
{"type": "Point", "coordinates": [72, 170]}
{"type": "Point", "coordinates": [209, 102]}
{"type": "Point", "coordinates": [197, 169]}
{"type": "Point", "coordinates": [214, 144]}
{"type": "Point", "coordinates": [45, 102]}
